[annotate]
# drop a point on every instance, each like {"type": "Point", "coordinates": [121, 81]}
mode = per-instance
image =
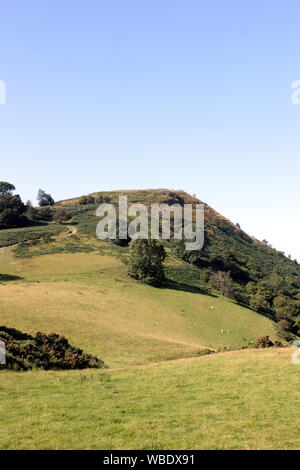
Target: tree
{"type": "Point", "coordinates": [6, 188]}
{"type": "Point", "coordinates": [44, 213]}
{"type": "Point", "coordinates": [44, 199]}
{"type": "Point", "coordinates": [31, 211]}
{"type": "Point", "coordinates": [87, 200]}
{"type": "Point", "coordinates": [146, 262]}
{"type": "Point", "coordinates": [11, 211]}
{"type": "Point", "coordinates": [60, 216]}
{"type": "Point", "coordinates": [259, 303]}
{"type": "Point", "coordinates": [11, 207]}
{"type": "Point", "coordinates": [222, 282]}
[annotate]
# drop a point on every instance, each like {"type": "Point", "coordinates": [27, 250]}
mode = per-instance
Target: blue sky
{"type": "Point", "coordinates": [192, 95]}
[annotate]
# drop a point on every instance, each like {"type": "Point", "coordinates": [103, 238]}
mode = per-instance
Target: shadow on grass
{"type": "Point", "coordinates": [187, 288]}
{"type": "Point", "coordinates": [8, 277]}
{"type": "Point", "coordinates": [263, 314]}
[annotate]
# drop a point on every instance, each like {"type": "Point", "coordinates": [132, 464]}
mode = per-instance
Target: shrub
{"type": "Point", "coordinates": [86, 200]}
{"type": "Point", "coordinates": [60, 215]}
{"type": "Point", "coordinates": [240, 297]}
{"type": "Point", "coordinates": [42, 351]}
{"type": "Point", "coordinates": [45, 213]}
{"type": "Point", "coordinates": [264, 342]}
{"type": "Point", "coordinates": [259, 303]}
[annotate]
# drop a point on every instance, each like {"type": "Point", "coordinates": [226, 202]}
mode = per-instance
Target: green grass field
{"type": "Point", "coordinates": [89, 298]}
{"type": "Point", "coordinates": [158, 393]}
{"type": "Point", "coordinates": [234, 400]}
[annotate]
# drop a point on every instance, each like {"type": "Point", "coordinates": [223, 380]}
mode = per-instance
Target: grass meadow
{"type": "Point", "coordinates": [236, 400]}
{"type": "Point", "coordinates": [158, 391]}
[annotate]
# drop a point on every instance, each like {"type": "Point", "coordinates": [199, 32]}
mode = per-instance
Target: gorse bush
{"type": "Point", "coordinates": [42, 351]}
{"type": "Point", "coordinates": [266, 342]}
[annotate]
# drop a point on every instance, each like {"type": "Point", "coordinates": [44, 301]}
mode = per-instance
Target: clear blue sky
{"type": "Point", "coordinates": [188, 94]}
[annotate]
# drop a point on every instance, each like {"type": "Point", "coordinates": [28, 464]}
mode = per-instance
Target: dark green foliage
{"type": "Point", "coordinates": [186, 273]}
{"type": "Point", "coordinates": [44, 199]}
{"type": "Point", "coordinates": [277, 296]}
{"type": "Point", "coordinates": [32, 235]}
{"type": "Point", "coordinates": [287, 314]}
{"type": "Point", "coordinates": [44, 213]}
{"type": "Point", "coordinates": [86, 200]}
{"type": "Point", "coordinates": [6, 188]}
{"type": "Point", "coordinates": [31, 211]}
{"type": "Point", "coordinates": [11, 211]}
{"type": "Point", "coordinates": [222, 282]}
{"type": "Point", "coordinates": [240, 296]}
{"type": "Point", "coordinates": [118, 241]}
{"type": "Point", "coordinates": [84, 217]}
{"type": "Point", "coordinates": [24, 250]}
{"type": "Point", "coordinates": [61, 215]}
{"type": "Point", "coordinates": [227, 262]}
{"type": "Point", "coordinates": [146, 262]}
{"type": "Point", "coordinates": [173, 198]}
{"type": "Point", "coordinates": [259, 303]}
{"type": "Point", "coordinates": [24, 352]}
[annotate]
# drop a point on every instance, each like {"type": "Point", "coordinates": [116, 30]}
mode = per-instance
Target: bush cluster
{"type": "Point", "coordinates": [42, 351]}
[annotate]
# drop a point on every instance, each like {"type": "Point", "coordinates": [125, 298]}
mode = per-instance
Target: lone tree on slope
{"type": "Point", "coordinates": [146, 262]}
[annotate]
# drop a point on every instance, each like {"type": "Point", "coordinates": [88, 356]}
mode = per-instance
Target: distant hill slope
{"type": "Point", "coordinates": [89, 298]}
{"type": "Point", "coordinates": [60, 277]}
{"type": "Point", "coordinates": [220, 231]}
{"type": "Point", "coordinates": [262, 277]}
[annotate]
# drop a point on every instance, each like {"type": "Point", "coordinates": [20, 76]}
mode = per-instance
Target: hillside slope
{"type": "Point", "coordinates": [89, 298]}
{"type": "Point", "coordinates": [61, 278]}
{"type": "Point", "coordinates": [158, 392]}
{"type": "Point", "coordinates": [257, 275]}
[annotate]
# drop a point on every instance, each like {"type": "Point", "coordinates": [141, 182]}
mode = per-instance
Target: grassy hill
{"type": "Point", "coordinates": [89, 298]}
{"type": "Point", "coordinates": [60, 278]}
